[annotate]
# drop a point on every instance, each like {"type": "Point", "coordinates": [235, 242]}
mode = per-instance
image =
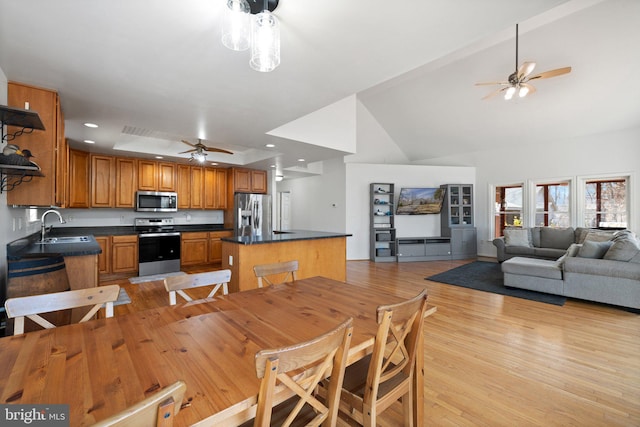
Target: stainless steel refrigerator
{"type": "Point", "coordinates": [252, 214]}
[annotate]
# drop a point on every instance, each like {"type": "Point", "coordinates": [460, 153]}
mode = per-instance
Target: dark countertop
{"type": "Point", "coordinates": [29, 246]}
{"type": "Point", "coordinates": [284, 236]}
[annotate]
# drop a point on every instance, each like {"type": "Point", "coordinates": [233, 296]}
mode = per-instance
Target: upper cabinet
{"type": "Point", "coordinates": [103, 181]}
{"type": "Point", "coordinates": [249, 180]}
{"type": "Point", "coordinates": [201, 187]}
{"type": "Point", "coordinates": [48, 147]}
{"type": "Point", "coordinates": [79, 176]}
{"type": "Point", "coordinates": [156, 176]}
{"type": "Point", "coordinates": [126, 178]}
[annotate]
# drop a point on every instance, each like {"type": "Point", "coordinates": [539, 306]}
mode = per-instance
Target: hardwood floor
{"type": "Point", "coordinates": [492, 360]}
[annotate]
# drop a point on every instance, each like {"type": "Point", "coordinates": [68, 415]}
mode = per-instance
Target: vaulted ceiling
{"type": "Point", "coordinates": [153, 73]}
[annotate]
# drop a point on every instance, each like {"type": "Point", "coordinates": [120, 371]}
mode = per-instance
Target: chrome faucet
{"type": "Point", "coordinates": [43, 228]}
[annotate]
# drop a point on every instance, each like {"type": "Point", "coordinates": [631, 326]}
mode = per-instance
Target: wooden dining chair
{"type": "Point", "coordinates": [289, 378]}
{"type": "Point", "coordinates": [32, 306]}
{"type": "Point", "coordinates": [374, 383]}
{"type": "Point", "coordinates": [264, 270]}
{"type": "Point", "coordinates": [158, 409]}
{"type": "Point", "coordinates": [178, 284]}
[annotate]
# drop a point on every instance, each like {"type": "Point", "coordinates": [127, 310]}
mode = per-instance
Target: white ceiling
{"type": "Point", "coordinates": [153, 73]}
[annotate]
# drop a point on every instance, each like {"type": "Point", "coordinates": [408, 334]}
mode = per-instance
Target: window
{"type": "Point", "coordinates": [553, 205]}
{"type": "Point", "coordinates": [508, 208]}
{"type": "Point", "coordinates": [605, 203]}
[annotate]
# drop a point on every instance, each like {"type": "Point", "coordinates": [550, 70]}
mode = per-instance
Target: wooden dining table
{"type": "Point", "coordinates": [105, 365]}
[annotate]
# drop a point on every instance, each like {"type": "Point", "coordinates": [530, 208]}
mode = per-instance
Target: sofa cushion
{"type": "Point", "coordinates": [557, 238]}
{"type": "Point", "coordinates": [548, 253]}
{"type": "Point", "coordinates": [596, 250]}
{"type": "Point", "coordinates": [533, 267]}
{"type": "Point", "coordinates": [573, 250]}
{"type": "Point", "coordinates": [517, 237]}
{"type": "Point", "coordinates": [624, 248]}
{"type": "Point", "coordinates": [535, 236]}
{"type": "Point", "coordinates": [598, 236]}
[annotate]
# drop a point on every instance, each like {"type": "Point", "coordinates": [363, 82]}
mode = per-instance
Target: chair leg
{"type": "Point", "coordinates": [369, 416]}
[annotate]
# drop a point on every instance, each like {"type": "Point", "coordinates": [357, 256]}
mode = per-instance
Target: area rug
{"type": "Point", "coordinates": [487, 276]}
{"type": "Point", "coordinates": [154, 277]}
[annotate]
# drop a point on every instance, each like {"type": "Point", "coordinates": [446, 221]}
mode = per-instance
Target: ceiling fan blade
{"type": "Point", "coordinates": [217, 150]}
{"type": "Point", "coordinates": [188, 151]}
{"type": "Point", "coordinates": [525, 69]}
{"type": "Point", "coordinates": [492, 83]}
{"type": "Point", "coordinates": [494, 93]}
{"type": "Point", "coordinates": [551, 73]}
{"type": "Point", "coordinates": [188, 143]}
{"type": "Point", "coordinates": [531, 88]}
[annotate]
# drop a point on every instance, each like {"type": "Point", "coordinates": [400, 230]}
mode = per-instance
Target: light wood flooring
{"type": "Point", "coordinates": [492, 360]}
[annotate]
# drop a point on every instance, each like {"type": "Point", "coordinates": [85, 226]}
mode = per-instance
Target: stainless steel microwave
{"type": "Point", "coordinates": [156, 201]}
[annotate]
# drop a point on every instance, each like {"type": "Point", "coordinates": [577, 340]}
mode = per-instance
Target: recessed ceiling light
{"type": "Point", "coordinates": [272, 166]}
{"type": "Point", "coordinates": [91, 125]}
{"type": "Point", "coordinates": [214, 164]}
{"type": "Point", "coordinates": [301, 160]}
{"type": "Point", "coordinates": [159, 157]}
{"type": "Point", "coordinates": [89, 141]}
{"type": "Point", "coordinates": [270, 145]}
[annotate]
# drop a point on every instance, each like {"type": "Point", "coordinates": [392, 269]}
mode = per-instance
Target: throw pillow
{"type": "Point", "coordinates": [517, 237]}
{"type": "Point", "coordinates": [623, 249]}
{"type": "Point", "coordinates": [573, 250]}
{"type": "Point", "coordinates": [595, 250]}
{"type": "Point", "coordinates": [598, 236]}
{"type": "Point", "coordinates": [556, 238]}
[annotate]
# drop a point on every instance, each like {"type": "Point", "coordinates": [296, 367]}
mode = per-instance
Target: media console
{"type": "Point", "coordinates": [423, 248]}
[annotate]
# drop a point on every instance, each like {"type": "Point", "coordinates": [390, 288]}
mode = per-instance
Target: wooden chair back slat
{"type": "Point", "coordinates": [34, 305]}
{"type": "Point", "coordinates": [157, 410]}
{"type": "Point", "coordinates": [178, 284]}
{"type": "Point", "coordinates": [264, 270]}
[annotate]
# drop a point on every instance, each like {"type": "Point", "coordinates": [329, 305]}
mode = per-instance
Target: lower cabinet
{"type": "Point", "coordinates": [202, 247]}
{"type": "Point", "coordinates": [464, 243]}
{"type": "Point", "coordinates": [423, 248]}
{"type": "Point", "coordinates": [194, 248]}
{"type": "Point", "coordinates": [119, 256]}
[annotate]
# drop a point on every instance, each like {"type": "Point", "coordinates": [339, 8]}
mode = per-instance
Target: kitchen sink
{"type": "Point", "coordinates": [65, 239]}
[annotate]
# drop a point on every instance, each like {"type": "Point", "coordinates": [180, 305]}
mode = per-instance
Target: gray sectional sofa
{"type": "Point", "coordinates": [601, 270]}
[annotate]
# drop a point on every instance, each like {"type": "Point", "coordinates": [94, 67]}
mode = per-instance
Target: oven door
{"type": "Point", "coordinates": [158, 253]}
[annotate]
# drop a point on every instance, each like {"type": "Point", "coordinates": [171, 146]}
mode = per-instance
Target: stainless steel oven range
{"type": "Point", "coordinates": [158, 246]}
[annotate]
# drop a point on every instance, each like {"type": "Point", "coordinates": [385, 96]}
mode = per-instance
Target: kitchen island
{"type": "Point", "coordinates": [318, 253]}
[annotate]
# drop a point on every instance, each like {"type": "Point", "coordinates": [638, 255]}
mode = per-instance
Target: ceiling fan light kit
{"type": "Point", "coordinates": [251, 24]}
{"type": "Point", "coordinates": [518, 80]}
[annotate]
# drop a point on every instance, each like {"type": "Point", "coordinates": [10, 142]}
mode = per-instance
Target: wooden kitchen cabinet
{"type": "Point", "coordinates": [215, 245]}
{"type": "Point", "coordinates": [79, 175]}
{"type": "Point", "coordinates": [103, 181]}
{"type": "Point", "coordinates": [166, 176]}
{"type": "Point", "coordinates": [215, 188]}
{"type": "Point", "coordinates": [104, 259]}
{"type": "Point", "coordinates": [147, 175]}
{"type": "Point", "coordinates": [156, 176]}
{"type": "Point", "coordinates": [48, 147]}
{"type": "Point", "coordinates": [124, 254]}
{"type": "Point", "coordinates": [248, 180]}
{"type": "Point", "coordinates": [197, 182]}
{"type": "Point", "coordinates": [183, 186]}
{"type": "Point", "coordinates": [126, 178]}
{"type": "Point", "coordinates": [194, 247]}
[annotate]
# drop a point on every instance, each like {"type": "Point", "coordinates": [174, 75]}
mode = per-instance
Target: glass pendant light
{"type": "Point", "coordinates": [236, 26]}
{"type": "Point", "coordinates": [265, 42]}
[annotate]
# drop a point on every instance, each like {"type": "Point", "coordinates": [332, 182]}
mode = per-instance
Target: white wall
{"type": "Point", "coordinates": [318, 202]}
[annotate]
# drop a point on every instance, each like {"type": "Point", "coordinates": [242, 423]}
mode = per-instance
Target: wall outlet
{"type": "Point", "coordinates": [230, 259]}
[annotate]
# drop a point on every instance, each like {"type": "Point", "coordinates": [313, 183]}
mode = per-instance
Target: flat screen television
{"type": "Point", "coordinates": [420, 201]}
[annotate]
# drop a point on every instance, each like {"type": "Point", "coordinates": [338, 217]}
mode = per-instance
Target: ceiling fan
{"type": "Point", "coordinates": [518, 81]}
{"type": "Point", "coordinates": [199, 150]}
